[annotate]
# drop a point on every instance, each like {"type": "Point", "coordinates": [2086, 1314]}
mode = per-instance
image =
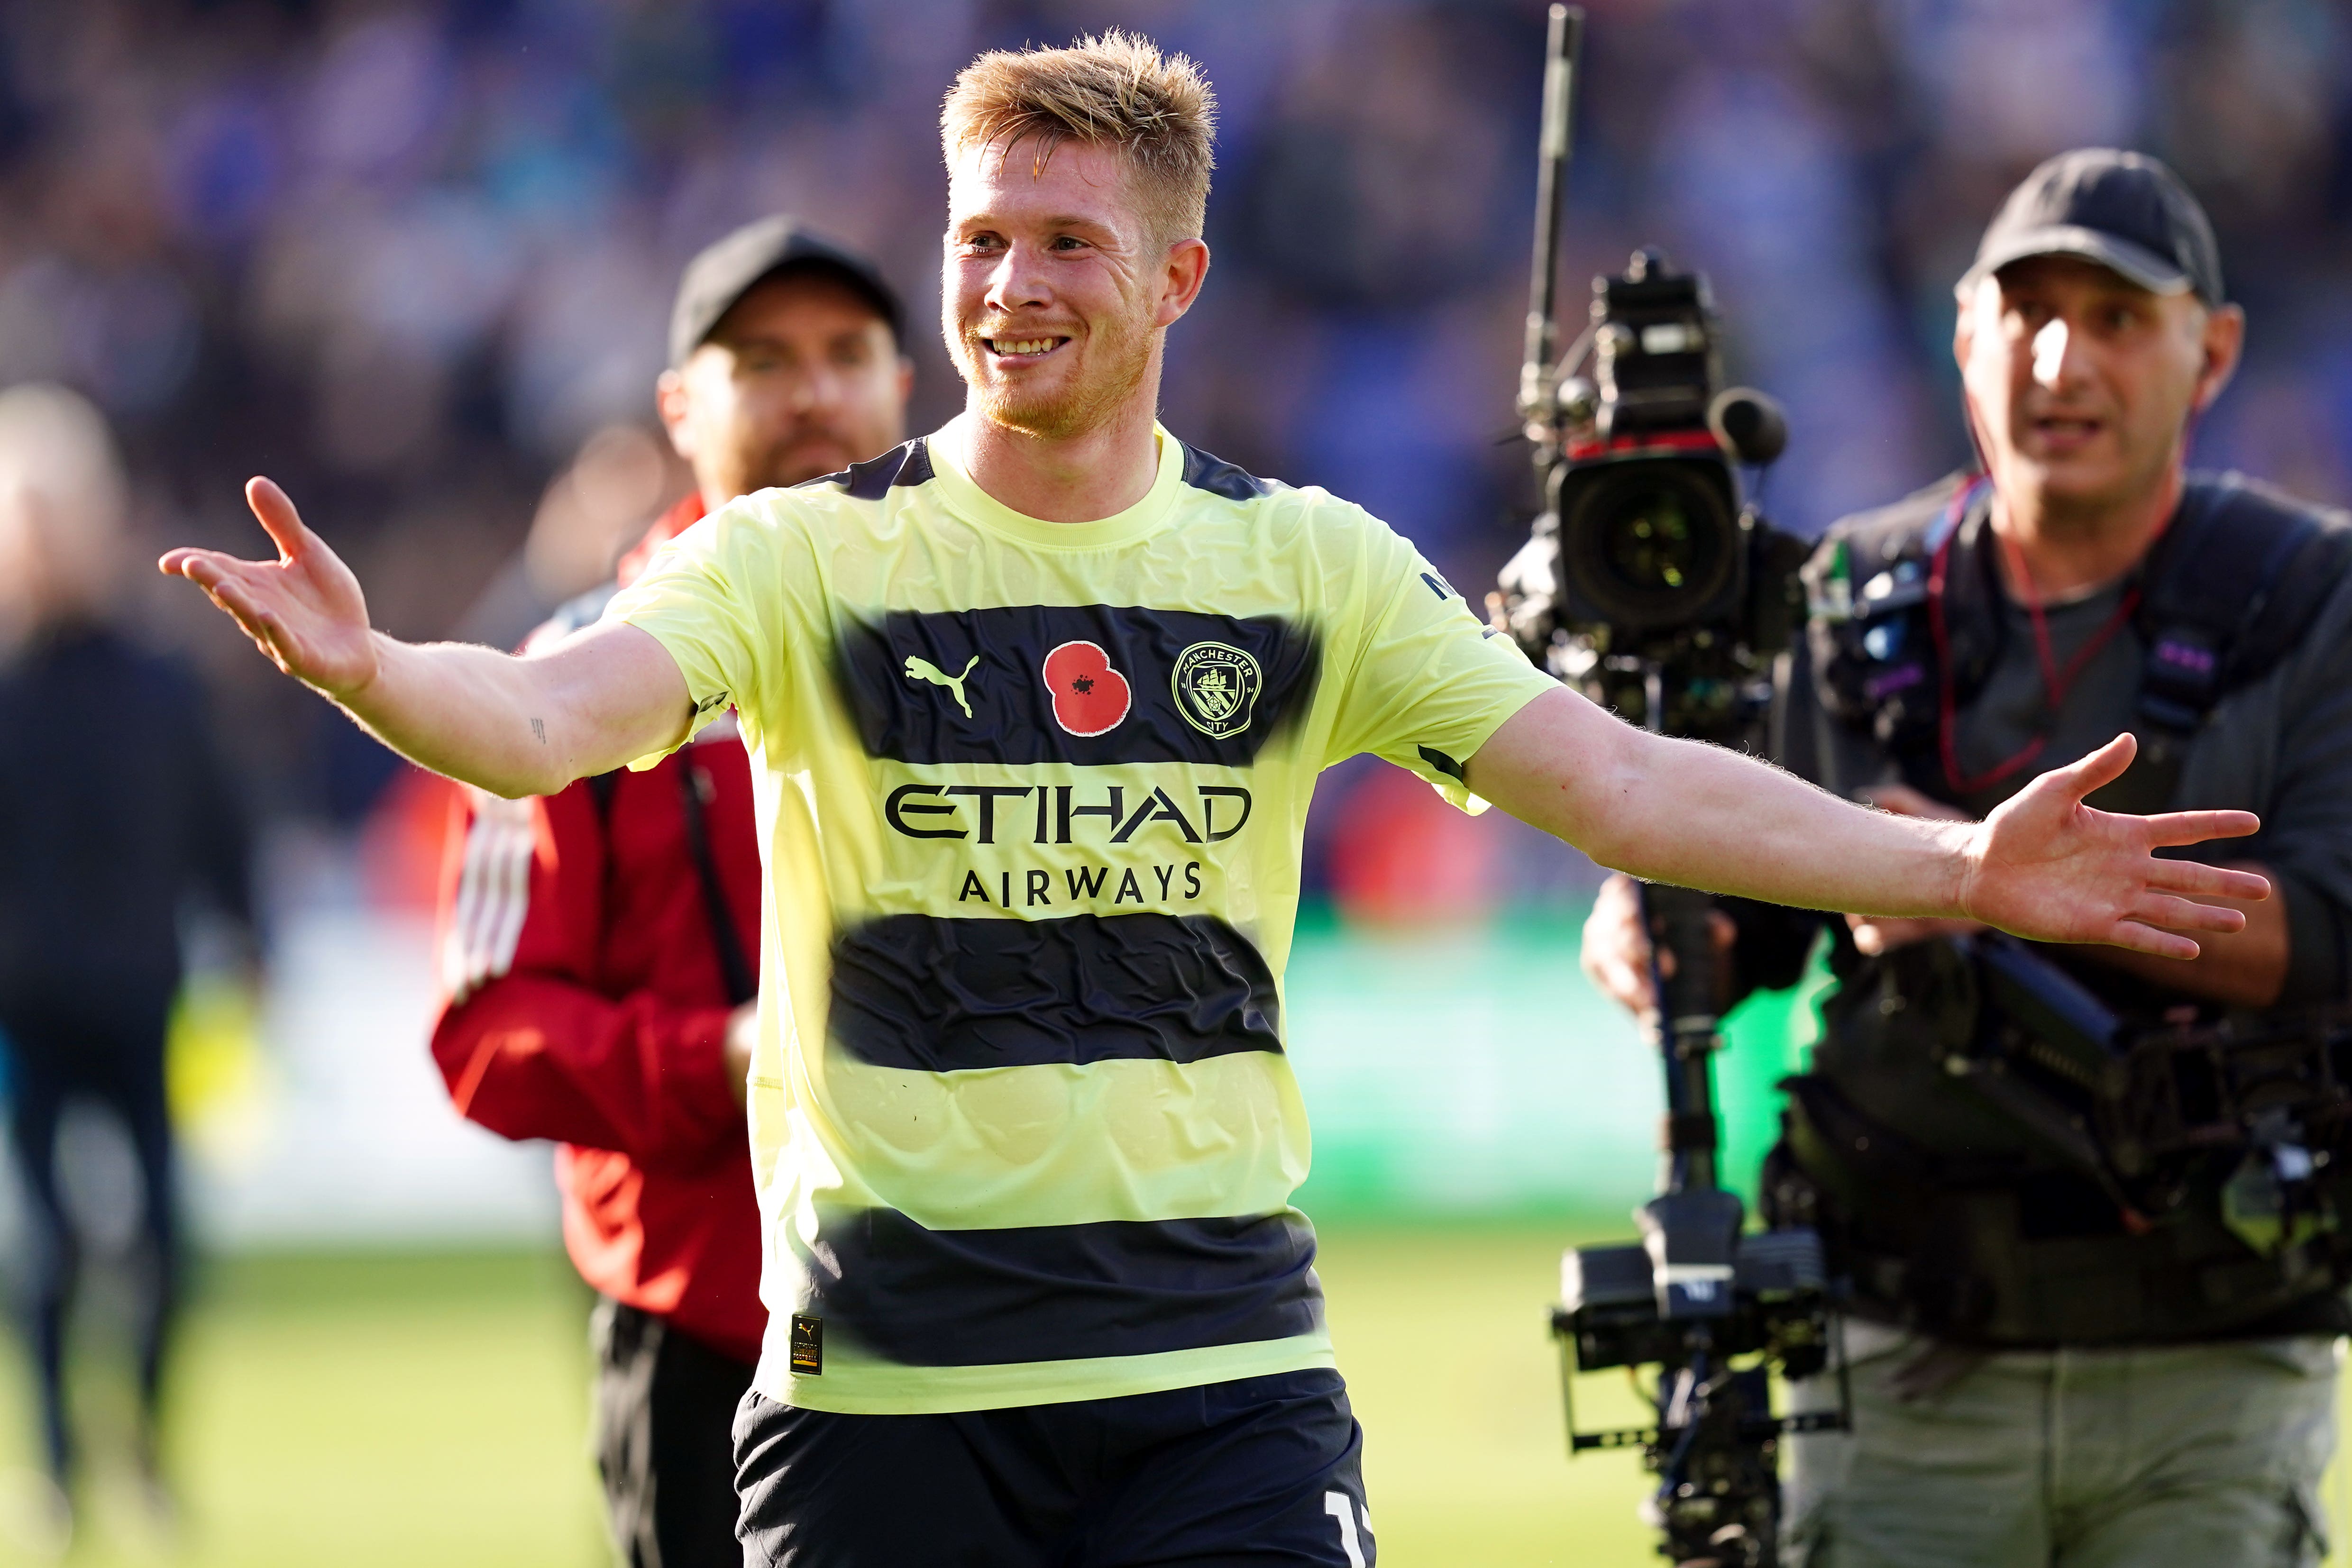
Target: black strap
{"type": "Point", "coordinates": [742, 981]}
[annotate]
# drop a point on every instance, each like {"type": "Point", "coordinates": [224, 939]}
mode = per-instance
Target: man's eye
{"type": "Point", "coordinates": [1067, 242]}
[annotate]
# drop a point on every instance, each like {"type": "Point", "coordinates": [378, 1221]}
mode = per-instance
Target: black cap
{"type": "Point", "coordinates": [2123, 210]}
{"type": "Point", "coordinates": [732, 267]}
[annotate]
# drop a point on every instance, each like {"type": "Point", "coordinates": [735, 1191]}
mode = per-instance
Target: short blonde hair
{"type": "Point", "coordinates": [1114, 90]}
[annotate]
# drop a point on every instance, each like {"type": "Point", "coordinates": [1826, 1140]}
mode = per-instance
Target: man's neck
{"type": "Point", "coordinates": [1095, 474]}
{"type": "Point", "coordinates": [2071, 550]}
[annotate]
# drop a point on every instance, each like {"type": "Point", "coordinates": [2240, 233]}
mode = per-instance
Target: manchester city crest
{"type": "Point", "coordinates": [1216, 685]}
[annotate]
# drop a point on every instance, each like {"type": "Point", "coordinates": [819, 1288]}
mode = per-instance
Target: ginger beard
{"type": "Point", "coordinates": [1081, 338]}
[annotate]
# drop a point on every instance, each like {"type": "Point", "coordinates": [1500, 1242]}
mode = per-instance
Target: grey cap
{"type": "Point", "coordinates": [2124, 210]}
{"type": "Point", "coordinates": [732, 267]}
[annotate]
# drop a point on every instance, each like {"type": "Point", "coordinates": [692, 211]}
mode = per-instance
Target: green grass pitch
{"type": "Point", "coordinates": [390, 1409]}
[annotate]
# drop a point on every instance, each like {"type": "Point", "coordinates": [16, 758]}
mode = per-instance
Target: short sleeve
{"type": "Point", "coordinates": [1427, 682]}
{"type": "Point", "coordinates": [698, 598]}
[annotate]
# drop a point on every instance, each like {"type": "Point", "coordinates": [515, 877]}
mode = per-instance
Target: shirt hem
{"type": "Point", "coordinates": [881, 1388]}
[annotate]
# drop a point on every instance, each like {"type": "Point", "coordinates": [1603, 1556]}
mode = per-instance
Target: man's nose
{"type": "Point", "coordinates": [816, 389]}
{"type": "Point", "coordinates": [2050, 353]}
{"type": "Point", "coordinates": [1017, 281]}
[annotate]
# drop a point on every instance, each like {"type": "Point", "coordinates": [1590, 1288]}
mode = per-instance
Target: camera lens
{"type": "Point", "coordinates": [1652, 545]}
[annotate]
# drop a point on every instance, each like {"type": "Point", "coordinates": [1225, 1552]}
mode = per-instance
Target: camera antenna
{"type": "Point", "coordinates": [1539, 372]}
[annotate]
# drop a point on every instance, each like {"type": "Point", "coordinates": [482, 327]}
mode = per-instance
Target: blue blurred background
{"type": "Point", "coordinates": [415, 260]}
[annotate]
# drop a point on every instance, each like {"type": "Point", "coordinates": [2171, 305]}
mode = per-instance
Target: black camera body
{"type": "Point", "coordinates": [1650, 581]}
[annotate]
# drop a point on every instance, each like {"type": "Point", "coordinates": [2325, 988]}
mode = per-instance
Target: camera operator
{"type": "Point", "coordinates": [2039, 1374]}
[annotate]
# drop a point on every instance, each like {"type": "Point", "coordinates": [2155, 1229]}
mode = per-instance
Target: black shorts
{"type": "Point", "coordinates": [1262, 1471]}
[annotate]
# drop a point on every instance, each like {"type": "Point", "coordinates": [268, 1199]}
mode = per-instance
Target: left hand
{"type": "Point", "coordinates": [2047, 867]}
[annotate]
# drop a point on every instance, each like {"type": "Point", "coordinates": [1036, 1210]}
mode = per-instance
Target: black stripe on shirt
{"type": "Point", "coordinates": [907, 464]}
{"type": "Point", "coordinates": [938, 995]}
{"type": "Point", "coordinates": [1059, 1292]}
{"type": "Point", "coordinates": [999, 656]}
{"type": "Point", "coordinates": [1204, 472]}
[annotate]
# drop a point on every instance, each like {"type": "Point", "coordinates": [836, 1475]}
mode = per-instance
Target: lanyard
{"type": "Point", "coordinates": [2056, 681]}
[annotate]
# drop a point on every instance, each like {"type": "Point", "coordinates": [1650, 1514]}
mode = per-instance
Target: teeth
{"type": "Point", "coordinates": [1025, 346]}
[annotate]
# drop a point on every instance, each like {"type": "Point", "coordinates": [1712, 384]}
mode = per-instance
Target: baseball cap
{"type": "Point", "coordinates": [732, 267]}
{"type": "Point", "coordinates": [2125, 211]}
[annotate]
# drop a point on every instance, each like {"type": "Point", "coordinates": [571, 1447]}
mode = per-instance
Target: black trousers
{"type": "Point", "coordinates": [665, 1413]}
{"type": "Point", "coordinates": [107, 1051]}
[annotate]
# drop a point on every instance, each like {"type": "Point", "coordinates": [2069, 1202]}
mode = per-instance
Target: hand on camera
{"type": "Point", "coordinates": [1875, 934]}
{"type": "Point", "coordinates": [1616, 950]}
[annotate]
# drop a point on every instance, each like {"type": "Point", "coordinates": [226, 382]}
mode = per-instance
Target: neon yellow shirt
{"type": "Point", "coordinates": [1031, 796]}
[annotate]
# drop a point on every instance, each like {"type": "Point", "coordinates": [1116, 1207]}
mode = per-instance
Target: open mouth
{"type": "Point", "coordinates": [1023, 351]}
{"type": "Point", "coordinates": [2064, 432]}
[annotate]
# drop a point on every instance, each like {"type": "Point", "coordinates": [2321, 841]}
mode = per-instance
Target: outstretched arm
{"type": "Point", "coordinates": [512, 725]}
{"type": "Point", "coordinates": [2044, 865]}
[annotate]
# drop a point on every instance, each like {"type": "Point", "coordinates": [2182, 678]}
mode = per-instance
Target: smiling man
{"type": "Point", "coordinates": [1036, 704]}
{"type": "Point", "coordinates": [2042, 1375]}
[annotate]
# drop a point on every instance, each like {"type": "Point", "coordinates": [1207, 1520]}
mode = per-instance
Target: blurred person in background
{"type": "Point", "coordinates": [599, 946]}
{"type": "Point", "coordinates": [114, 814]}
{"type": "Point", "coordinates": [2042, 1375]}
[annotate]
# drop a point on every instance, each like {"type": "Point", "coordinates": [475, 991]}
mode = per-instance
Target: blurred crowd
{"type": "Point", "coordinates": [414, 259]}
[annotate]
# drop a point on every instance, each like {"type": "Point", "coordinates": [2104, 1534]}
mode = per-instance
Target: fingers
{"type": "Point", "coordinates": [2104, 766]}
{"type": "Point", "coordinates": [2188, 915]}
{"type": "Point", "coordinates": [2208, 881]}
{"type": "Point", "coordinates": [202, 567]}
{"type": "Point", "coordinates": [2174, 829]}
{"type": "Point", "coordinates": [258, 622]}
{"type": "Point", "coordinates": [276, 514]}
{"type": "Point", "coordinates": [2142, 938]}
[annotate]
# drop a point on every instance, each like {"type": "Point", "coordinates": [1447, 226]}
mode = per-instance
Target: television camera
{"type": "Point", "coordinates": [1655, 585]}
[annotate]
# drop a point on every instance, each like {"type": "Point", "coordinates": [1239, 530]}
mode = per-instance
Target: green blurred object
{"type": "Point", "coordinates": [1471, 1071]}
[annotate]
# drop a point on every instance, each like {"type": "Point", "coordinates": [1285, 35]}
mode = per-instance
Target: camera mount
{"type": "Point", "coordinates": [1649, 583]}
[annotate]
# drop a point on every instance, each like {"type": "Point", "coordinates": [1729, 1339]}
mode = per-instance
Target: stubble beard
{"type": "Point", "coordinates": [1116, 366]}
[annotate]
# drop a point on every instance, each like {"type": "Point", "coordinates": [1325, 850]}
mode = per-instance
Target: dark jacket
{"type": "Point", "coordinates": [1958, 1218]}
{"type": "Point", "coordinates": [114, 811]}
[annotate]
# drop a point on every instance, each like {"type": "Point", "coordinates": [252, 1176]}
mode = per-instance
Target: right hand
{"type": "Point", "coordinates": [1616, 950]}
{"type": "Point", "coordinates": [743, 1025]}
{"type": "Point", "coordinates": [304, 609]}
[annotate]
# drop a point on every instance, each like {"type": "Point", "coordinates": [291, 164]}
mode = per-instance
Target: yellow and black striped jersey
{"type": "Point", "coordinates": [1031, 797]}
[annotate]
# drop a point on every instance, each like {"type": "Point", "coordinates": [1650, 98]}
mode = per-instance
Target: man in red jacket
{"type": "Point", "coordinates": [599, 946]}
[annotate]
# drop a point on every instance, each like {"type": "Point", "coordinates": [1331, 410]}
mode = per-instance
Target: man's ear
{"type": "Point", "coordinates": [2225, 342]}
{"type": "Point", "coordinates": [670, 406]}
{"type": "Point", "coordinates": [1187, 270]}
{"type": "Point", "coordinates": [1963, 323]}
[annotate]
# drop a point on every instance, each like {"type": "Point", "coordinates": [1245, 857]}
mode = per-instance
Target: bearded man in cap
{"type": "Point", "coordinates": [2045, 1368]}
{"type": "Point", "coordinates": [599, 946]}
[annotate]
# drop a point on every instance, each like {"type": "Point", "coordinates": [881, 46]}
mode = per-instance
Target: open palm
{"type": "Point", "coordinates": [304, 608]}
{"type": "Point", "coordinates": [2046, 866]}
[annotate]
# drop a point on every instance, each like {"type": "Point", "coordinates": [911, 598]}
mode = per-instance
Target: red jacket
{"type": "Point", "coordinates": [586, 1002]}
